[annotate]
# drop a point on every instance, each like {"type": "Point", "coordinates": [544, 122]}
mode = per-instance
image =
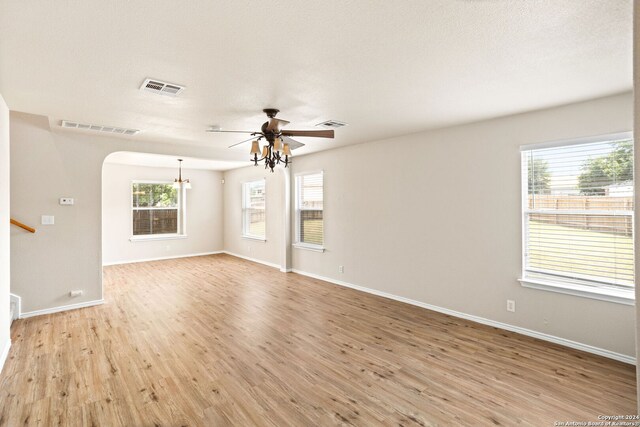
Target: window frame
{"type": "Point", "coordinates": [594, 291]}
{"type": "Point", "coordinates": [245, 233]}
{"type": "Point", "coordinates": [181, 211]}
{"type": "Point", "coordinates": [296, 235]}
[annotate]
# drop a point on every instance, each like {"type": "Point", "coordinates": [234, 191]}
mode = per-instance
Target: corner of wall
{"type": "Point", "coordinates": [5, 352]}
{"type": "Point", "coordinates": [5, 249]}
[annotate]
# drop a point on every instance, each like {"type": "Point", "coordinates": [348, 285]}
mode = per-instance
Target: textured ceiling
{"type": "Point", "coordinates": [164, 161]}
{"type": "Point", "coordinates": [385, 67]}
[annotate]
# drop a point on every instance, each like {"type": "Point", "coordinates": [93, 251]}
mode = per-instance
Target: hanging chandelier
{"type": "Point", "coordinates": [179, 182]}
{"type": "Point", "coordinates": [278, 143]}
{"type": "Point", "coordinates": [273, 152]}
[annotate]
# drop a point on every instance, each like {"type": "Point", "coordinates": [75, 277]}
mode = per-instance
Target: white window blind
{"type": "Point", "coordinates": [254, 209]}
{"type": "Point", "coordinates": [309, 209]}
{"type": "Point", "coordinates": [578, 214]}
{"type": "Point", "coordinates": [155, 208]}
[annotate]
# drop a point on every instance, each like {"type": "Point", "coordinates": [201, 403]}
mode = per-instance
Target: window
{"type": "Point", "coordinates": [253, 209]}
{"type": "Point", "coordinates": [155, 209]}
{"type": "Point", "coordinates": [578, 217]}
{"type": "Point", "coordinates": [309, 213]}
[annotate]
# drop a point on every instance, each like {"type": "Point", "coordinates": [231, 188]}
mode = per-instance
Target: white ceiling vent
{"type": "Point", "coordinates": [161, 88]}
{"type": "Point", "coordinates": [332, 124]}
{"type": "Point", "coordinates": [98, 128]}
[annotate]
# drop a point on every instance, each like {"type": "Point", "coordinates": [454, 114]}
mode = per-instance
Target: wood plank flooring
{"type": "Point", "coordinates": [216, 340]}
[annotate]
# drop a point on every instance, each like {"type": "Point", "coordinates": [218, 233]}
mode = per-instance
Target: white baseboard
{"type": "Point", "coordinates": [105, 264]}
{"type": "Point", "coordinates": [61, 308]}
{"type": "Point", "coordinates": [5, 353]}
{"type": "Point", "coordinates": [259, 261]}
{"type": "Point", "coordinates": [528, 332]}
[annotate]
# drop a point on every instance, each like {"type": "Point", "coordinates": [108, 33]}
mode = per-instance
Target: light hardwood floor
{"type": "Point", "coordinates": [216, 340]}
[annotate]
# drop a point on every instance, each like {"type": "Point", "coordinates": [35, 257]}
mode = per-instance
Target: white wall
{"type": "Point", "coordinates": [5, 264]}
{"type": "Point", "coordinates": [46, 165]}
{"type": "Point", "coordinates": [435, 217]}
{"type": "Point", "coordinates": [203, 214]}
{"type": "Point", "coordinates": [636, 84]}
{"type": "Point", "coordinates": [271, 250]}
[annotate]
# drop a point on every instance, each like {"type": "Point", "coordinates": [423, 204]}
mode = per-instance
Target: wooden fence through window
{"type": "Point", "coordinates": [603, 222]}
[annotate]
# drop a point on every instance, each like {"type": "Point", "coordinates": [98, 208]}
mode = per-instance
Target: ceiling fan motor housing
{"type": "Point", "coordinates": [269, 135]}
{"type": "Point", "coordinates": [265, 132]}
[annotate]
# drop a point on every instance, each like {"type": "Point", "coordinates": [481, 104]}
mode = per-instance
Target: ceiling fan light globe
{"type": "Point", "coordinates": [277, 145]}
{"type": "Point", "coordinates": [255, 147]}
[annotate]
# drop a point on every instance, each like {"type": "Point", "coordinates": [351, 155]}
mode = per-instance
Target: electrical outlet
{"type": "Point", "coordinates": [511, 305]}
{"type": "Point", "coordinates": [76, 293]}
{"type": "Point", "coordinates": [341, 269]}
{"type": "Point", "coordinates": [66, 201]}
{"type": "Point", "coordinates": [47, 220]}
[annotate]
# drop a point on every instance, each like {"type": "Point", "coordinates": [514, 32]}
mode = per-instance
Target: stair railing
{"type": "Point", "coordinates": [23, 226]}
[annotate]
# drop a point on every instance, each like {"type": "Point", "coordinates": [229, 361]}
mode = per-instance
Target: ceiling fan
{"type": "Point", "coordinates": [278, 145]}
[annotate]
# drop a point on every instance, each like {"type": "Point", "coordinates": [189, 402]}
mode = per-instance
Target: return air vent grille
{"type": "Point", "coordinates": [161, 88]}
{"type": "Point", "coordinates": [97, 128]}
{"type": "Point", "coordinates": [332, 124]}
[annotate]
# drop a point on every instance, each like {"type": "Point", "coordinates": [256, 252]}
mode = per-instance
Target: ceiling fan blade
{"type": "Point", "coordinates": [276, 124]}
{"type": "Point", "coordinates": [293, 144]}
{"type": "Point", "coordinates": [313, 133]}
{"type": "Point", "coordinates": [229, 131]}
{"type": "Point", "coordinates": [241, 142]}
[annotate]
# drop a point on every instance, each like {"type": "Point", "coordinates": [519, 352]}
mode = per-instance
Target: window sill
{"type": "Point", "coordinates": [152, 237]}
{"type": "Point", "coordinates": [259, 239]}
{"type": "Point", "coordinates": [313, 248]}
{"type": "Point", "coordinates": [619, 296]}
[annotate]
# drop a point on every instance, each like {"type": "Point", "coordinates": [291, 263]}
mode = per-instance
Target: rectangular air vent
{"type": "Point", "coordinates": [161, 88]}
{"type": "Point", "coordinates": [332, 124]}
{"type": "Point", "coordinates": [98, 128]}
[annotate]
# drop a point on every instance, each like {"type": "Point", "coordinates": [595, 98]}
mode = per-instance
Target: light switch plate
{"type": "Point", "coordinates": [48, 220]}
{"type": "Point", "coordinates": [66, 201]}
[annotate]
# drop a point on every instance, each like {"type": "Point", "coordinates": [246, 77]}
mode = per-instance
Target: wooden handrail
{"type": "Point", "coordinates": [23, 226]}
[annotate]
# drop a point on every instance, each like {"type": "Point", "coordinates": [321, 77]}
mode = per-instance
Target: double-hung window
{"type": "Point", "coordinates": [253, 209]}
{"type": "Point", "coordinates": [309, 210]}
{"type": "Point", "coordinates": [156, 210]}
{"type": "Point", "coordinates": [578, 217]}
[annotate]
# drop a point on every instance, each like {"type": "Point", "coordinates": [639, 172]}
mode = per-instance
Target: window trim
{"type": "Point", "coordinates": [620, 296]}
{"type": "Point", "coordinates": [309, 247]}
{"type": "Point", "coordinates": [604, 293]}
{"type": "Point", "coordinates": [296, 237]}
{"type": "Point", "coordinates": [149, 237]}
{"type": "Point", "coordinates": [246, 235]}
{"type": "Point", "coordinates": [181, 208]}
